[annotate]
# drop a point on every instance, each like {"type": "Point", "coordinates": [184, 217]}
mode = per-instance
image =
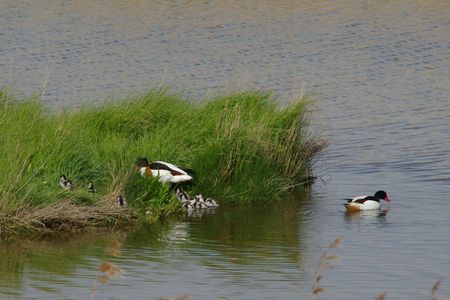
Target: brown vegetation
{"type": "Point", "coordinates": [64, 215]}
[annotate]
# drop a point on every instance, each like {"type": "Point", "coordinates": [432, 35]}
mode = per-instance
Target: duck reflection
{"type": "Point", "coordinates": [366, 214]}
{"type": "Point", "coordinates": [366, 219]}
{"type": "Point", "coordinates": [252, 233]}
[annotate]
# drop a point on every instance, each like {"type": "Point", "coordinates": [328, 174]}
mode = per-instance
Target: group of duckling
{"type": "Point", "coordinates": [198, 202]}
{"type": "Point", "coordinates": [68, 185]}
{"type": "Point", "coordinates": [167, 173]}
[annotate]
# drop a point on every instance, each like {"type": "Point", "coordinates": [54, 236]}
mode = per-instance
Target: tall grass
{"type": "Point", "coordinates": [243, 147]}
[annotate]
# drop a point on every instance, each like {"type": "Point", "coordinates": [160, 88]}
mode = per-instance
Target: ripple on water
{"type": "Point", "coordinates": [380, 73]}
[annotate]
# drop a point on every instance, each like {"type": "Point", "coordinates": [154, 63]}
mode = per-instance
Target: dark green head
{"type": "Point", "coordinates": [382, 195]}
{"type": "Point", "coordinates": [142, 162]}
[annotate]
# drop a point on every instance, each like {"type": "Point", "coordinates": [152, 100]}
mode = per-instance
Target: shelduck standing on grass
{"type": "Point", "coordinates": [364, 202]}
{"type": "Point", "coordinates": [166, 172]}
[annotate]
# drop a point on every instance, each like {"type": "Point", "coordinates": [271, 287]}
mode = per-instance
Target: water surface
{"type": "Point", "coordinates": [380, 71]}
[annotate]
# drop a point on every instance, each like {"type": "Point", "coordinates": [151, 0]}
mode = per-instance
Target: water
{"type": "Point", "coordinates": [380, 71]}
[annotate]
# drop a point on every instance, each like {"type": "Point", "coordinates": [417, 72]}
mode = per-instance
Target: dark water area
{"type": "Point", "coordinates": [227, 253]}
{"type": "Point", "coordinates": [380, 74]}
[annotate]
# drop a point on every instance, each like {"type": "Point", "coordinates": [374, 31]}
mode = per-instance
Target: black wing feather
{"type": "Point", "coordinates": [161, 166]}
{"type": "Point", "coordinates": [360, 200]}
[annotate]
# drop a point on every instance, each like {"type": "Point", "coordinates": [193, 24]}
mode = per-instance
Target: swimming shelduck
{"type": "Point", "coordinates": [65, 183]}
{"type": "Point", "coordinates": [121, 202]}
{"type": "Point", "coordinates": [363, 202]}
{"type": "Point", "coordinates": [166, 172]}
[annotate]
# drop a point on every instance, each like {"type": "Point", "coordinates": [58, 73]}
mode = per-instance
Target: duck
{"type": "Point", "coordinates": [188, 206]}
{"type": "Point", "coordinates": [65, 183]}
{"type": "Point", "coordinates": [167, 172]}
{"type": "Point", "coordinates": [181, 195]}
{"type": "Point", "coordinates": [121, 201]}
{"type": "Point", "coordinates": [364, 202]}
{"type": "Point", "coordinates": [210, 202]}
{"type": "Point", "coordinates": [91, 188]}
{"type": "Point", "coordinates": [199, 201]}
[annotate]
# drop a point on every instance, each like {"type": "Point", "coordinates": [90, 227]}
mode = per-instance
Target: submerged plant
{"type": "Point", "coordinates": [326, 261]}
{"type": "Point", "coordinates": [434, 290]}
{"type": "Point", "coordinates": [381, 296]}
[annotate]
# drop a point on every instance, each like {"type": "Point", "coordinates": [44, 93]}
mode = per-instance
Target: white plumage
{"type": "Point", "coordinates": [167, 172]}
{"type": "Point", "coordinates": [364, 202]}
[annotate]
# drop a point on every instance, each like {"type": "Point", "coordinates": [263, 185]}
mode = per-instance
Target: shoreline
{"type": "Point", "coordinates": [239, 145]}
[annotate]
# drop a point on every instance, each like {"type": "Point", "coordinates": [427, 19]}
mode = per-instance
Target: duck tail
{"type": "Point", "coordinates": [352, 207]}
{"type": "Point", "coordinates": [189, 171]}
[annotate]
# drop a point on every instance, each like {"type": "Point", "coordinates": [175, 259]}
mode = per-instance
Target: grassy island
{"type": "Point", "coordinates": [243, 147]}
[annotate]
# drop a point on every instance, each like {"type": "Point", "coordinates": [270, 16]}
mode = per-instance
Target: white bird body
{"type": "Point", "coordinates": [210, 202]}
{"type": "Point", "coordinates": [65, 183]}
{"type": "Point", "coordinates": [181, 195]}
{"type": "Point", "coordinates": [365, 202]}
{"type": "Point", "coordinates": [167, 172]}
{"type": "Point", "coordinates": [91, 188]}
{"type": "Point", "coordinates": [188, 206]}
{"type": "Point", "coordinates": [121, 202]}
{"type": "Point", "coordinates": [366, 205]}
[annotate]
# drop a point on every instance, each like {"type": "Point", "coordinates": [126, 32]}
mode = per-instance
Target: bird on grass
{"type": "Point", "coordinates": [181, 195]}
{"type": "Point", "coordinates": [121, 202]}
{"type": "Point", "coordinates": [167, 172]}
{"type": "Point", "coordinates": [364, 202]}
{"type": "Point", "coordinates": [65, 183]}
{"type": "Point", "coordinates": [91, 188]}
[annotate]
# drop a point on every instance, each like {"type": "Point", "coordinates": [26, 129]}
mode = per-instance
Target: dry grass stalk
{"type": "Point", "coordinates": [109, 271]}
{"type": "Point", "coordinates": [113, 249]}
{"type": "Point", "coordinates": [434, 290]}
{"type": "Point", "coordinates": [381, 296]}
{"type": "Point", "coordinates": [64, 215]}
{"type": "Point", "coordinates": [181, 297]}
{"type": "Point", "coordinates": [326, 261]}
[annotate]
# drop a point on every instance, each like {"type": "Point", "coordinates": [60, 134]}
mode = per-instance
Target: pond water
{"type": "Point", "coordinates": [380, 71]}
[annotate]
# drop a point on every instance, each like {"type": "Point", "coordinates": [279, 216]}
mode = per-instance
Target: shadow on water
{"type": "Point", "coordinates": [352, 216]}
{"type": "Point", "coordinates": [241, 233]}
{"type": "Point", "coordinates": [266, 237]}
{"type": "Point", "coordinates": [366, 221]}
{"type": "Point", "coordinates": [57, 255]}
{"type": "Point", "coordinates": [247, 234]}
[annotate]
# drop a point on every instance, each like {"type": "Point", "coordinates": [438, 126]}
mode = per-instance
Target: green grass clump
{"type": "Point", "coordinates": [243, 147]}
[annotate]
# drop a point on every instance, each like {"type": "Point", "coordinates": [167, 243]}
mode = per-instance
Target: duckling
{"type": "Point", "coordinates": [181, 195]}
{"type": "Point", "coordinates": [166, 172]}
{"type": "Point", "coordinates": [65, 183]}
{"type": "Point", "coordinates": [199, 201]}
{"type": "Point", "coordinates": [199, 197]}
{"type": "Point", "coordinates": [91, 188]}
{"type": "Point", "coordinates": [121, 202]}
{"type": "Point", "coordinates": [210, 202]}
{"type": "Point", "coordinates": [201, 205]}
{"type": "Point", "coordinates": [188, 206]}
